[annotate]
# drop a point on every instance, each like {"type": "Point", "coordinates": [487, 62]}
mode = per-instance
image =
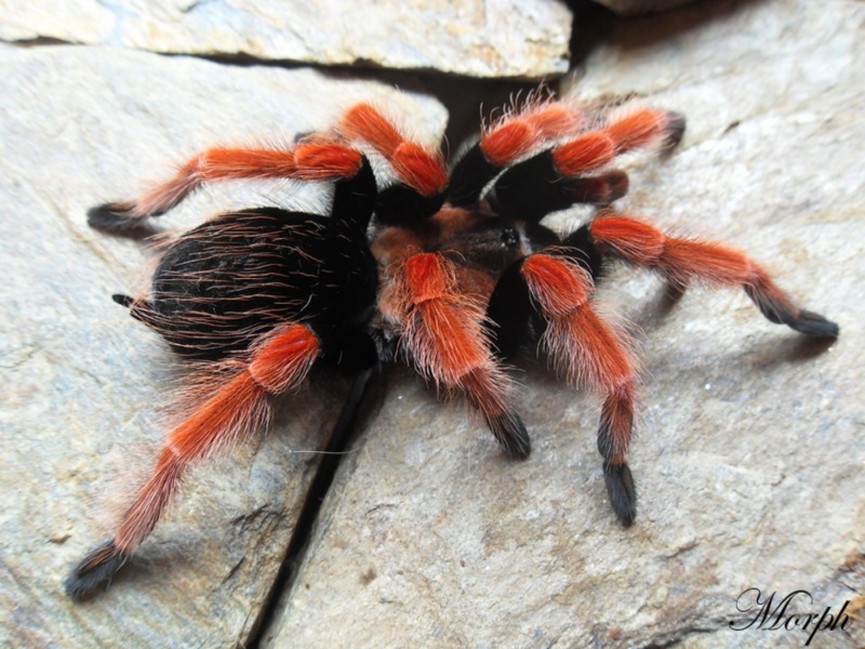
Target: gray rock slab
{"type": "Point", "coordinates": [750, 454]}
{"type": "Point", "coordinates": [498, 38]}
{"type": "Point", "coordinates": [85, 386]}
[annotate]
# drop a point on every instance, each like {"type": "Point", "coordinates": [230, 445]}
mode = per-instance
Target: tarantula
{"type": "Point", "coordinates": [447, 268]}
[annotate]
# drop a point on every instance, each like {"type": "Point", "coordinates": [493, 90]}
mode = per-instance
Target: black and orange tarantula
{"type": "Point", "coordinates": [448, 268]}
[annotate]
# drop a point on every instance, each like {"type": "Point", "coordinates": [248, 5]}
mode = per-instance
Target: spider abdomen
{"type": "Point", "coordinates": [230, 280]}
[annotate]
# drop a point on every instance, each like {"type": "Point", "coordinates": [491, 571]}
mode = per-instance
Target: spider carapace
{"type": "Point", "coordinates": [447, 268]}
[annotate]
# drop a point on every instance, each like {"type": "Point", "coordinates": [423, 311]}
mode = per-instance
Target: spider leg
{"type": "Point", "coordinates": [582, 347]}
{"type": "Point", "coordinates": [312, 160]}
{"type": "Point", "coordinates": [555, 177]}
{"type": "Point", "coordinates": [682, 260]}
{"type": "Point", "coordinates": [509, 138]}
{"type": "Point", "coordinates": [236, 406]}
{"type": "Point", "coordinates": [422, 174]}
{"type": "Point", "coordinates": [444, 333]}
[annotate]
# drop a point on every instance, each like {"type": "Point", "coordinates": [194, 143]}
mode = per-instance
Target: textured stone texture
{"type": "Point", "coordinates": [497, 38]}
{"type": "Point", "coordinates": [83, 382]}
{"type": "Point", "coordinates": [749, 459]}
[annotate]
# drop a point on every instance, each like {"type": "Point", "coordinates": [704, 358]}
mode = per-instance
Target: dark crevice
{"type": "Point", "coordinates": [364, 398]}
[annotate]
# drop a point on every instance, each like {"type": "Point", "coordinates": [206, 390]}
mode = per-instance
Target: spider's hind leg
{"type": "Point", "coordinates": [236, 406]}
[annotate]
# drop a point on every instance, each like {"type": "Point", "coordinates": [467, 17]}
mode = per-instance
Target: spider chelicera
{"type": "Point", "coordinates": [448, 268]}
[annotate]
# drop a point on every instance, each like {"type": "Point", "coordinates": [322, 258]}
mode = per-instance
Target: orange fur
{"type": "Point", "coordinates": [416, 167]}
{"type": "Point", "coordinates": [165, 196]}
{"type": "Point", "coordinates": [636, 241]}
{"type": "Point", "coordinates": [508, 141]}
{"type": "Point", "coordinates": [581, 345]}
{"type": "Point", "coordinates": [554, 120]}
{"type": "Point", "coordinates": [451, 335]}
{"type": "Point", "coordinates": [285, 358]}
{"type": "Point", "coordinates": [443, 330]}
{"type": "Point", "coordinates": [586, 152]}
{"type": "Point", "coordinates": [309, 161]}
{"type": "Point", "coordinates": [219, 164]}
{"type": "Point", "coordinates": [363, 122]}
{"type": "Point", "coordinates": [637, 128]}
{"type": "Point", "coordinates": [235, 408]}
{"type": "Point", "coordinates": [518, 132]}
{"type": "Point", "coordinates": [682, 260]}
{"type": "Point", "coordinates": [326, 160]}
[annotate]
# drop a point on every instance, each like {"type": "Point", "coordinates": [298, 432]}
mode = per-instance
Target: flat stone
{"type": "Point", "coordinates": [749, 455]}
{"type": "Point", "coordinates": [85, 387]}
{"type": "Point", "coordinates": [498, 38]}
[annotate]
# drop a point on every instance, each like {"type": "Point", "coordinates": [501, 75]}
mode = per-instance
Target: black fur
{"type": "Point", "coordinates": [95, 570]}
{"type": "Point", "coordinates": [469, 176]}
{"type": "Point", "coordinates": [532, 189]}
{"type": "Point", "coordinates": [236, 277]}
{"type": "Point", "coordinates": [510, 431]}
{"type": "Point", "coordinates": [400, 204]}
{"type": "Point", "coordinates": [580, 246]}
{"type": "Point", "coordinates": [621, 491]}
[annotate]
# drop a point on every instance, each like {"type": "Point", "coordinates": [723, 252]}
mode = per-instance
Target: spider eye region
{"type": "Point", "coordinates": [510, 237]}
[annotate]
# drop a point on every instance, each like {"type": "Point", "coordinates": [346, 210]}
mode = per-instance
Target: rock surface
{"type": "Point", "coordinates": [497, 38]}
{"type": "Point", "coordinates": [750, 454]}
{"type": "Point", "coordinates": [749, 457]}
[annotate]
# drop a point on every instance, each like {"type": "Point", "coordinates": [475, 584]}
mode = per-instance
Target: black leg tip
{"type": "Point", "coordinates": [122, 300]}
{"type": "Point", "coordinates": [95, 571]}
{"type": "Point", "coordinates": [511, 433]}
{"type": "Point", "coordinates": [675, 129]}
{"type": "Point", "coordinates": [815, 325]}
{"type": "Point", "coordinates": [618, 183]}
{"type": "Point", "coordinates": [111, 216]}
{"type": "Point", "coordinates": [621, 491]}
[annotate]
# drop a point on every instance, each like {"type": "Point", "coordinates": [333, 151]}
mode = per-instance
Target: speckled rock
{"type": "Point", "coordinates": [85, 385]}
{"type": "Point", "coordinates": [498, 38]}
{"type": "Point", "coordinates": [749, 457]}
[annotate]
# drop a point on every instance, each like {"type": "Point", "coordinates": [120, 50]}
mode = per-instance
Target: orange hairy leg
{"type": "Point", "coordinates": [632, 130]}
{"type": "Point", "coordinates": [517, 134]}
{"type": "Point", "coordinates": [682, 260]}
{"type": "Point", "coordinates": [320, 160]}
{"type": "Point", "coordinates": [589, 352]}
{"type": "Point", "coordinates": [421, 170]}
{"type": "Point", "coordinates": [443, 332]}
{"type": "Point", "coordinates": [236, 407]}
{"type": "Point", "coordinates": [552, 157]}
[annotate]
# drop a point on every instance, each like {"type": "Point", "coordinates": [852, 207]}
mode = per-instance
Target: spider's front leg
{"type": "Point", "coordinates": [319, 160]}
{"type": "Point", "coordinates": [442, 328]}
{"type": "Point", "coordinates": [584, 348]}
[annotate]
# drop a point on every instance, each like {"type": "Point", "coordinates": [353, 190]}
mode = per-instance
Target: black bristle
{"type": "Point", "coordinates": [813, 324]}
{"type": "Point", "coordinates": [675, 129]}
{"type": "Point", "coordinates": [112, 216]}
{"type": "Point", "coordinates": [511, 433]}
{"type": "Point", "coordinates": [621, 490]}
{"type": "Point", "coordinates": [95, 570]}
{"type": "Point", "coordinates": [122, 300]}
